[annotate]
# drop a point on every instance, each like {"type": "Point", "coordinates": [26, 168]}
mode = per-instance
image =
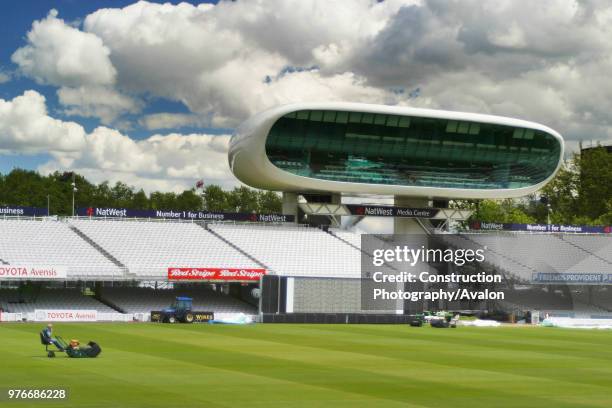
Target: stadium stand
{"type": "Point", "coordinates": [143, 300]}
{"type": "Point", "coordinates": [11, 300]}
{"type": "Point", "coordinates": [495, 255]}
{"type": "Point", "coordinates": [521, 254]}
{"type": "Point", "coordinates": [294, 251]}
{"type": "Point", "coordinates": [594, 245]}
{"type": "Point", "coordinates": [148, 248]}
{"type": "Point", "coordinates": [51, 242]}
{"type": "Point", "coordinates": [349, 237]}
{"type": "Point", "coordinates": [143, 250]}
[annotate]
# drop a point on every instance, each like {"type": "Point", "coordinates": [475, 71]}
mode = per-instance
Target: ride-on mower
{"type": "Point", "coordinates": [73, 349]}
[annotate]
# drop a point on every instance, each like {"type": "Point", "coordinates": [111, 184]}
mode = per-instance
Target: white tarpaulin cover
{"type": "Point", "coordinates": [578, 323]}
{"type": "Point", "coordinates": [480, 323]}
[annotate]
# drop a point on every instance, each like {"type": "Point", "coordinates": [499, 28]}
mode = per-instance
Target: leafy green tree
{"type": "Point", "coordinates": [595, 181]}
{"type": "Point", "coordinates": [243, 199]}
{"type": "Point", "coordinates": [215, 199]}
{"type": "Point", "coordinates": [31, 189]}
{"type": "Point", "coordinates": [162, 201]}
{"type": "Point", "coordinates": [269, 202]}
{"type": "Point", "coordinates": [188, 200]}
{"type": "Point", "coordinates": [505, 211]}
{"type": "Point", "coordinates": [140, 200]}
{"type": "Point", "coordinates": [122, 195]}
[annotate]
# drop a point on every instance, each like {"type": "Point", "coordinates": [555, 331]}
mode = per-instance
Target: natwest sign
{"type": "Point", "coordinates": [53, 315]}
{"type": "Point", "coordinates": [33, 272]}
{"type": "Point", "coordinates": [182, 214]}
{"type": "Point", "coordinates": [388, 211]}
{"type": "Point", "coordinates": [216, 274]}
{"type": "Point", "coordinates": [555, 228]}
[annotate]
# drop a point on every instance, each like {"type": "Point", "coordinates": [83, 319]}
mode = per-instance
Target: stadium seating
{"type": "Point", "coordinates": [294, 251]}
{"type": "Point", "coordinates": [349, 237]}
{"type": "Point", "coordinates": [141, 250]}
{"type": "Point", "coordinates": [525, 254]}
{"type": "Point", "coordinates": [56, 299]}
{"type": "Point", "coordinates": [51, 242]}
{"type": "Point", "coordinates": [144, 300]}
{"type": "Point", "coordinates": [149, 248]}
{"type": "Point", "coordinates": [595, 245]}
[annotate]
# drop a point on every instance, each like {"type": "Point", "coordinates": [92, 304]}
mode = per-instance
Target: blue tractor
{"type": "Point", "coordinates": [180, 311]}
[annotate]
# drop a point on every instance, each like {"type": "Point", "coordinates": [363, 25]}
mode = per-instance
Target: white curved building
{"type": "Point", "coordinates": [355, 148]}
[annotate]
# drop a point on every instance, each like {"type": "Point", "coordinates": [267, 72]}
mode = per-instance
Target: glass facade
{"type": "Point", "coordinates": [374, 148]}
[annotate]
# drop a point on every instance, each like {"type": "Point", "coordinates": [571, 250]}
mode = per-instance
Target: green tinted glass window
{"type": "Point", "coordinates": [410, 151]}
{"type": "Point", "coordinates": [404, 121]}
{"type": "Point", "coordinates": [329, 116]}
{"type": "Point", "coordinates": [392, 121]}
{"type": "Point", "coordinates": [367, 118]}
{"type": "Point", "coordinates": [464, 127]}
{"type": "Point", "coordinates": [380, 119]}
{"type": "Point", "coordinates": [355, 117]}
{"type": "Point", "coordinates": [316, 116]}
{"type": "Point", "coordinates": [342, 117]}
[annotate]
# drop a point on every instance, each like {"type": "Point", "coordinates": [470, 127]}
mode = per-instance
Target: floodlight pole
{"type": "Point", "coordinates": [74, 190]}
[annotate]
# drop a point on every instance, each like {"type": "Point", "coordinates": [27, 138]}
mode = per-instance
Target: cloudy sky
{"type": "Point", "coordinates": [148, 93]}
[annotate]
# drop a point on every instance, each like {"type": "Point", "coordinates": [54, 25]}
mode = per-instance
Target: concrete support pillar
{"type": "Point", "coordinates": [290, 204]}
{"type": "Point", "coordinates": [409, 225]}
{"type": "Point", "coordinates": [336, 198]}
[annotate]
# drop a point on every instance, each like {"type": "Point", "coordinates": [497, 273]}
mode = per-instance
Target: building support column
{"type": "Point", "coordinates": [290, 205]}
{"type": "Point", "coordinates": [336, 198]}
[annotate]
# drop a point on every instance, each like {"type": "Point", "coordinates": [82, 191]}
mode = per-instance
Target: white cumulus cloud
{"type": "Point", "coordinates": [4, 77]}
{"type": "Point", "coordinates": [547, 61]}
{"type": "Point", "coordinates": [167, 162]}
{"type": "Point", "coordinates": [171, 162]}
{"type": "Point", "coordinates": [26, 127]}
{"type": "Point", "coordinates": [166, 120]}
{"type": "Point", "coordinates": [102, 102]}
{"type": "Point", "coordinates": [59, 54]}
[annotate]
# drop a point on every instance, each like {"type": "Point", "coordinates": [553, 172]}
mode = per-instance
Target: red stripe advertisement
{"type": "Point", "coordinates": [215, 274]}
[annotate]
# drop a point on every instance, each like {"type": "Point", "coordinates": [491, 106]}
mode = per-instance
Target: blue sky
{"type": "Point", "coordinates": [16, 20]}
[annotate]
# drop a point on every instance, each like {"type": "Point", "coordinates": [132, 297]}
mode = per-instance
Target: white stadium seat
{"type": "Point", "coordinates": [53, 243]}
{"type": "Point", "coordinates": [295, 251]}
{"type": "Point", "coordinates": [149, 248]}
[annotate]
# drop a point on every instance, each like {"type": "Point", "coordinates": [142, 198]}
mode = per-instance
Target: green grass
{"type": "Point", "coordinates": [149, 365]}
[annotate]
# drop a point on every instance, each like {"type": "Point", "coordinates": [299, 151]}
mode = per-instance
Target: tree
{"type": "Point", "coordinates": [562, 194]}
{"type": "Point", "coordinates": [505, 211]}
{"type": "Point", "coordinates": [243, 199]}
{"type": "Point", "coordinates": [29, 188]}
{"type": "Point", "coordinates": [188, 200]}
{"type": "Point", "coordinates": [140, 200]}
{"type": "Point", "coordinates": [269, 202]}
{"type": "Point", "coordinates": [162, 201]}
{"type": "Point", "coordinates": [595, 181]}
{"type": "Point", "coordinates": [122, 195]}
{"type": "Point", "coordinates": [215, 199]}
